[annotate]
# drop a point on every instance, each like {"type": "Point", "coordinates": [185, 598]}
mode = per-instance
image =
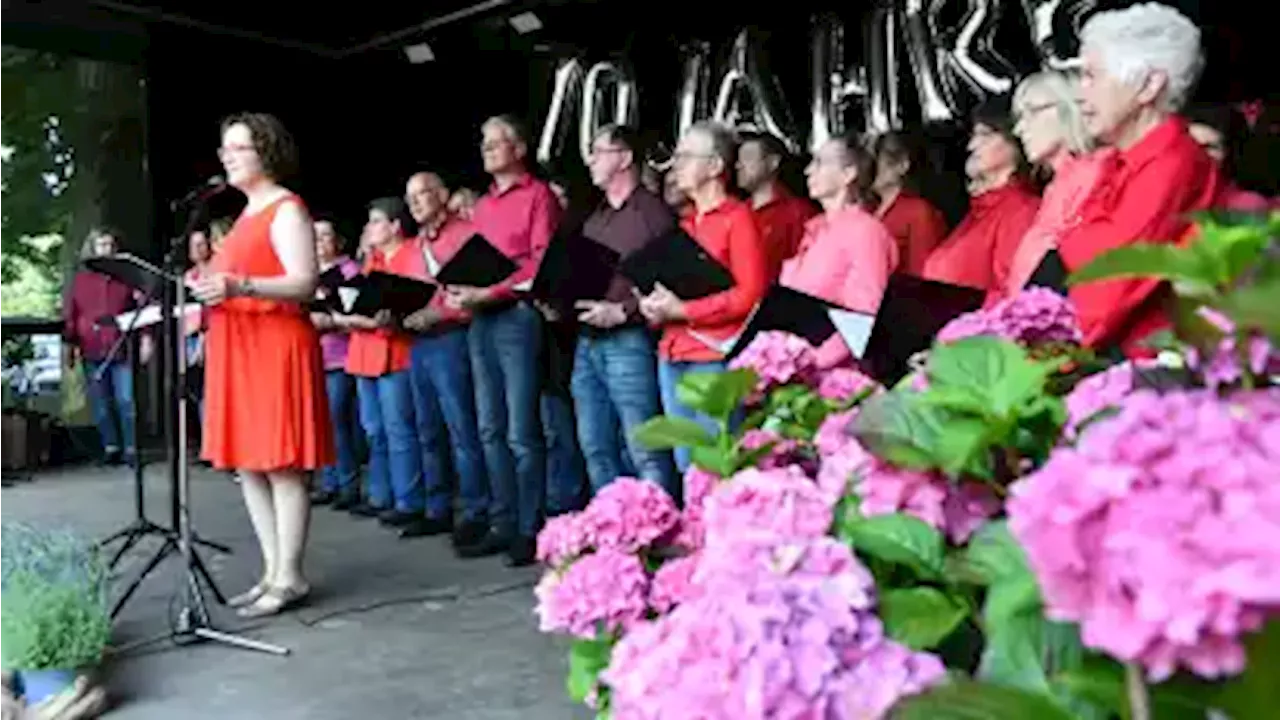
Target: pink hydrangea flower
{"type": "Point", "coordinates": [1034, 316]}
{"type": "Point", "coordinates": [778, 358]}
{"type": "Point", "coordinates": [629, 514]}
{"type": "Point", "coordinates": [844, 384]}
{"type": "Point", "coordinates": [783, 504]}
{"type": "Point", "coordinates": [786, 643]}
{"type": "Point", "coordinates": [958, 510]}
{"type": "Point", "coordinates": [563, 539]}
{"type": "Point", "coordinates": [605, 591]}
{"type": "Point", "coordinates": [1222, 367]}
{"type": "Point", "coordinates": [673, 584]}
{"type": "Point", "coordinates": [698, 484]}
{"type": "Point", "coordinates": [730, 567]}
{"type": "Point", "coordinates": [1159, 532]}
{"type": "Point", "coordinates": [782, 453]}
{"type": "Point", "coordinates": [838, 452]}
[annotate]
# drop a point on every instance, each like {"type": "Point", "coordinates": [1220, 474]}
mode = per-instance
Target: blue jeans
{"type": "Point", "coordinates": [669, 374]}
{"type": "Point", "coordinates": [445, 406]}
{"type": "Point", "coordinates": [111, 400]}
{"type": "Point", "coordinates": [505, 347]}
{"type": "Point", "coordinates": [395, 460]}
{"type": "Point", "coordinates": [341, 477]}
{"type": "Point", "coordinates": [615, 389]}
{"type": "Point", "coordinates": [565, 472]}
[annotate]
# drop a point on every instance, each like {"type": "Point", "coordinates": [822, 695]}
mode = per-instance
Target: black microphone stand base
{"type": "Point", "coordinates": [170, 547]}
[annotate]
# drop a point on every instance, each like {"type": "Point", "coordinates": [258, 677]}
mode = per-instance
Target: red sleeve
{"type": "Point", "coordinates": [1150, 208]}
{"type": "Point", "coordinates": [747, 264]}
{"type": "Point", "coordinates": [1013, 228]}
{"type": "Point", "coordinates": [545, 218]}
{"type": "Point", "coordinates": [71, 313]}
{"type": "Point", "coordinates": [929, 232]}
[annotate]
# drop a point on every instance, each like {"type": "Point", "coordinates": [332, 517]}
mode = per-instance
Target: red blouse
{"type": "Point", "coordinates": [979, 252]}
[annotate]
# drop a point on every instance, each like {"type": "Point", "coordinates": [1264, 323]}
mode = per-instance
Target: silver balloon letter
{"type": "Point", "coordinates": [955, 67]}
{"type": "Point", "coordinates": [564, 99]}
{"type": "Point", "coordinates": [695, 84]}
{"type": "Point", "coordinates": [605, 81]}
{"type": "Point", "coordinates": [766, 110]}
{"type": "Point", "coordinates": [1055, 29]}
{"type": "Point", "coordinates": [872, 84]}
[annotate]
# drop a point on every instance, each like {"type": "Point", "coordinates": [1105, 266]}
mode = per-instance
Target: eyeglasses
{"type": "Point", "coordinates": [491, 145]}
{"type": "Point", "coordinates": [684, 156]}
{"type": "Point", "coordinates": [226, 150]}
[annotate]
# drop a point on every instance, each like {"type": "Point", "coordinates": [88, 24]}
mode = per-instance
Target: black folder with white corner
{"type": "Point", "coordinates": [678, 262]}
{"type": "Point", "coordinates": [477, 264]}
{"type": "Point", "coordinates": [912, 312]}
{"type": "Point", "coordinates": [367, 295]}
{"type": "Point", "coordinates": [575, 268]}
{"type": "Point", "coordinates": [327, 284]}
{"type": "Point", "coordinates": [786, 309]}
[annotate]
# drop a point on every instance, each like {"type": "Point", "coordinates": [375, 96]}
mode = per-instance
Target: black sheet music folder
{"type": "Point", "coordinates": [378, 291]}
{"type": "Point", "coordinates": [911, 314]}
{"type": "Point", "coordinates": [477, 264]}
{"type": "Point", "coordinates": [677, 261]}
{"type": "Point", "coordinates": [575, 268]}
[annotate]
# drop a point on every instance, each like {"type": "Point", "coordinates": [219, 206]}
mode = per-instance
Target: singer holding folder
{"type": "Point", "coordinates": [518, 216]}
{"type": "Point", "coordinates": [266, 414]}
{"type": "Point", "coordinates": [697, 333]}
{"type": "Point", "coordinates": [379, 356]}
{"type": "Point", "coordinates": [440, 376]}
{"type": "Point", "coordinates": [615, 369]}
{"type": "Point", "coordinates": [846, 255]}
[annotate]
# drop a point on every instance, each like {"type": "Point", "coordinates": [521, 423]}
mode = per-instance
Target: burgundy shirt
{"type": "Point", "coordinates": [641, 218]}
{"type": "Point", "coordinates": [85, 314]}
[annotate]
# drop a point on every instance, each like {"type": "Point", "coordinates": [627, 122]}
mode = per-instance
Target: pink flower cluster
{"type": "Point", "coordinates": [698, 484]}
{"type": "Point", "coordinates": [1097, 393]}
{"type": "Point", "coordinates": [604, 592]}
{"type": "Point", "coordinates": [1036, 315]}
{"type": "Point", "coordinates": [844, 384]}
{"type": "Point", "coordinates": [778, 358]}
{"type": "Point", "coordinates": [781, 453]}
{"type": "Point", "coordinates": [627, 514]}
{"type": "Point", "coordinates": [787, 633]}
{"type": "Point", "coordinates": [956, 509]}
{"type": "Point", "coordinates": [776, 505]}
{"type": "Point", "coordinates": [1159, 532]}
{"type": "Point", "coordinates": [1222, 366]}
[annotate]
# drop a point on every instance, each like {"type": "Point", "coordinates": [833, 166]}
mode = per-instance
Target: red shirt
{"type": "Point", "coordinates": [729, 234]}
{"type": "Point", "coordinates": [781, 224]}
{"type": "Point", "coordinates": [979, 252]}
{"type": "Point", "coordinates": [88, 314]}
{"type": "Point", "coordinates": [519, 221]}
{"type": "Point", "coordinates": [1143, 196]}
{"type": "Point", "coordinates": [918, 227]}
{"type": "Point", "coordinates": [374, 353]}
{"type": "Point", "coordinates": [437, 250]}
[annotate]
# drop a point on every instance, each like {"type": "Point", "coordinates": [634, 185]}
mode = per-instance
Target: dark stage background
{"type": "Point", "coordinates": [365, 122]}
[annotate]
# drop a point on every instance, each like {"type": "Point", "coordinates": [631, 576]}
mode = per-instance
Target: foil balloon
{"type": "Point", "coordinates": [1055, 30]}
{"type": "Point", "coordinates": [765, 110]}
{"type": "Point", "coordinates": [609, 95]}
{"type": "Point", "coordinates": [953, 67]}
{"type": "Point", "coordinates": [564, 100]}
{"type": "Point", "coordinates": [871, 86]}
{"type": "Point", "coordinates": [692, 104]}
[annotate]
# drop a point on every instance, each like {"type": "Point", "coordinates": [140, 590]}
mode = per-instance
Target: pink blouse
{"type": "Point", "coordinates": [1073, 181]}
{"type": "Point", "coordinates": [845, 258]}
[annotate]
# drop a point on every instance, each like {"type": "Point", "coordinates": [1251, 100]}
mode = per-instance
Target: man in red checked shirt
{"type": "Point", "coordinates": [1139, 65]}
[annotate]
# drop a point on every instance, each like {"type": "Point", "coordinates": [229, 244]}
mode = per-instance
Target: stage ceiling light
{"type": "Point", "coordinates": [525, 23]}
{"type": "Point", "coordinates": [419, 53]}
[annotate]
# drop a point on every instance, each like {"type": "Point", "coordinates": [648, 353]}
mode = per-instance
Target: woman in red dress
{"type": "Point", "coordinates": [266, 415]}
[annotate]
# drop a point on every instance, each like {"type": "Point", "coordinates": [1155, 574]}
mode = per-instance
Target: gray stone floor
{"type": "Point", "coordinates": [396, 629]}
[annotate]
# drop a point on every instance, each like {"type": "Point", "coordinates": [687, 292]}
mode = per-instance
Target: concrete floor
{"type": "Point", "coordinates": [396, 629]}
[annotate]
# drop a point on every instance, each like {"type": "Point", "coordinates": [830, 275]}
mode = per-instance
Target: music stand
{"type": "Point", "coordinates": [150, 280]}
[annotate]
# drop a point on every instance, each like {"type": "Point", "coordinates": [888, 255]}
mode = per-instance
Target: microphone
{"type": "Point", "coordinates": [200, 193]}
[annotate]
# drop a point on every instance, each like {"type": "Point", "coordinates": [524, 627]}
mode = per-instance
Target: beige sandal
{"type": "Point", "coordinates": [279, 599]}
{"type": "Point", "coordinates": [248, 597]}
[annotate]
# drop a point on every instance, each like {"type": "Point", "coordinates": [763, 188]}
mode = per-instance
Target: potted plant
{"type": "Point", "coordinates": [56, 619]}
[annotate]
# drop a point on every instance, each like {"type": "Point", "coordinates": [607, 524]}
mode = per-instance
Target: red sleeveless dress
{"type": "Point", "coordinates": [265, 402]}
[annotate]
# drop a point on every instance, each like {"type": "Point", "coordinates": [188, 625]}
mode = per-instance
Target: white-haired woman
{"type": "Point", "coordinates": [1056, 142]}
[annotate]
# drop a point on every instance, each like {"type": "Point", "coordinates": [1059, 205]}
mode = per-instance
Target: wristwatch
{"type": "Point", "coordinates": [245, 287]}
